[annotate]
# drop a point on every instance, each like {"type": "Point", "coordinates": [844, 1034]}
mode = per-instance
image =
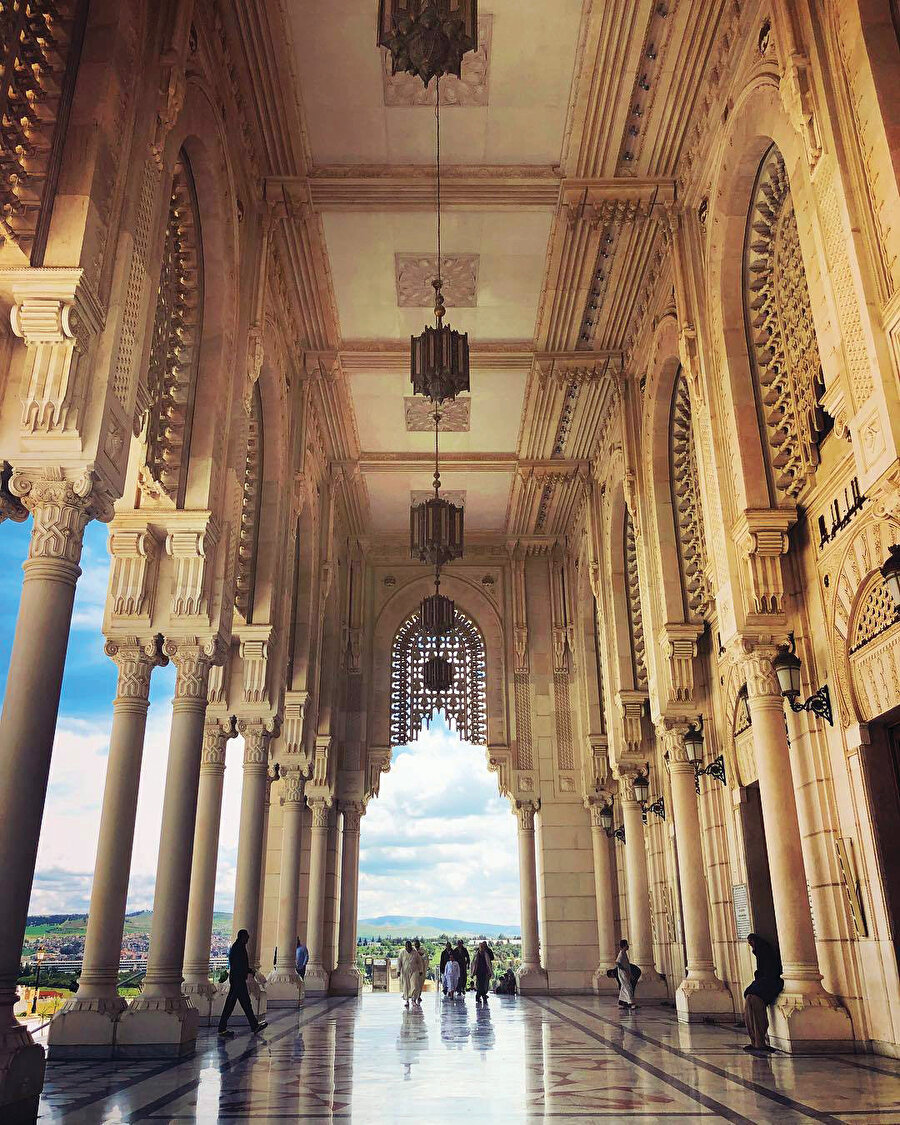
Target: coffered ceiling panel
{"type": "Point", "coordinates": [487, 496]}
{"type": "Point", "coordinates": [529, 73]}
{"type": "Point", "coordinates": [362, 249]}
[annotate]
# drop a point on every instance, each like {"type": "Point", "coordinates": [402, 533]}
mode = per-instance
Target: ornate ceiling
{"type": "Point", "coordinates": [561, 144]}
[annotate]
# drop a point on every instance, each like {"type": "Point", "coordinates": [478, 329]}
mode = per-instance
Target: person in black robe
{"type": "Point", "coordinates": [482, 970]}
{"type": "Point", "coordinates": [767, 983]}
{"type": "Point", "coordinates": [238, 971]}
{"type": "Point", "coordinates": [461, 954]}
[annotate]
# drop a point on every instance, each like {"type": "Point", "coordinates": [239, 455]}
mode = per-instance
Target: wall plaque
{"type": "Point", "coordinates": [743, 923]}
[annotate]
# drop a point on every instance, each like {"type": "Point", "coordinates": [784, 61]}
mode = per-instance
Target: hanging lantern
{"type": "Point", "coordinates": [438, 614]}
{"type": "Point", "coordinates": [436, 531]}
{"type": "Point", "coordinates": [428, 38]}
{"type": "Point", "coordinates": [438, 674]}
{"type": "Point", "coordinates": [439, 362]}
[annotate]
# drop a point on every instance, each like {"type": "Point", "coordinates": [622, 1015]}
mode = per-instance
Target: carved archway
{"type": "Point", "coordinates": [464, 705]}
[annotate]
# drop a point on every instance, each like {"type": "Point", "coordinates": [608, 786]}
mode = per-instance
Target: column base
{"type": "Point", "coordinates": [21, 1076]}
{"type": "Point", "coordinates": [346, 980]}
{"type": "Point", "coordinates": [651, 986]}
{"type": "Point", "coordinates": [532, 980]}
{"type": "Point", "coordinates": [85, 1028]}
{"type": "Point", "coordinates": [284, 989]}
{"type": "Point", "coordinates": [802, 1023]}
{"type": "Point", "coordinates": [202, 994]}
{"type": "Point", "coordinates": [604, 985]}
{"type": "Point", "coordinates": [316, 980]}
{"type": "Point", "coordinates": [163, 1027]}
{"type": "Point", "coordinates": [697, 1000]}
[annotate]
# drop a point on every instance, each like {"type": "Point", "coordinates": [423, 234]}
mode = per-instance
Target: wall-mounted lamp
{"type": "Point", "coordinates": [787, 667]}
{"type": "Point", "coordinates": [606, 819]}
{"type": "Point", "coordinates": [619, 833]}
{"type": "Point", "coordinates": [658, 808]}
{"type": "Point", "coordinates": [715, 769]}
{"type": "Point", "coordinates": [642, 786]}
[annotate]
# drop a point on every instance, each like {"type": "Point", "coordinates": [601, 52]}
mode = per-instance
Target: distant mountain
{"type": "Point", "coordinates": [398, 925]}
{"type": "Point", "coordinates": [138, 922]}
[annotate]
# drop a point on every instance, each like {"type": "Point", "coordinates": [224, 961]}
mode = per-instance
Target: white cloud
{"type": "Point", "coordinates": [440, 840]}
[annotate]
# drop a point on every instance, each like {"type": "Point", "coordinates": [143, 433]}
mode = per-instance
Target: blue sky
{"type": "Point", "coordinates": [439, 840]}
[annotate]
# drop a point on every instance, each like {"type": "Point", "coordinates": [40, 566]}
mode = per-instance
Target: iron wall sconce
{"type": "Point", "coordinates": [658, 808]}
{"type": "Point", "coordinates": [715, 769]}
{"type": "Point", "coordinates": [787, 667]}
{"type": "Point", "coordinates": [619, 833]}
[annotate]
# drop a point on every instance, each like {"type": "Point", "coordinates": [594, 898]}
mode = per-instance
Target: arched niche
{"type": "Point", "coordinates": [198, 133]}
{"type": "Point", "coordinates": [758, 120]}
{"type": "Point", "coordinates": [472, 602]}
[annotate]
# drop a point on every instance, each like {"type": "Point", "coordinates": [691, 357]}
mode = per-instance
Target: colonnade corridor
{"type": "Point", "coordinates": [572, 1059]}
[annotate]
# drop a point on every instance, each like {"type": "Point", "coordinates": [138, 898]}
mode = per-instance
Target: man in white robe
{"type": "Point", "coordinates": [451, 977]}
{"type": "Point", "coordinates": [626, 981]}
{"type": "Point", "coordinates": [407, 963]}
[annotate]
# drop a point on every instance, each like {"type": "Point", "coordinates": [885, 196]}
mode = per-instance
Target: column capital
{"type": "Point", "coordinates": [595, 804]}
{"type": "Point", "coordinates": [353, 812]}
{"type": "Point", "coordinates": [216, 732]}
{"type": "Point", "coordinates": [257, 733]}
{"type": "Point", "coordinates": [755, 657]}
{"type": "Point", "coordinates": [670, 730]}
{"type": "Point", "coordinates": [292, 788]}
{"type": "Point", "coordinates": [525, 813]}
{"type": "Point", "coordinates": [62, 505]}
{"type": "Point", "coordinates": [135, 657]}
{"type": "Point", "coordinates": [321, 810]}
{"type": "Point", "coordinates": [193, 657]}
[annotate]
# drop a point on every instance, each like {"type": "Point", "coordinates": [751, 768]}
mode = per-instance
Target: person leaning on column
{"type": "Point", "coordinates": [238, 971]}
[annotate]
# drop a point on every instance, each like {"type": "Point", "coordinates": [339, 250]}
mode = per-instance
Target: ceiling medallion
{"type": "Point", "coordinates": [428, 38]}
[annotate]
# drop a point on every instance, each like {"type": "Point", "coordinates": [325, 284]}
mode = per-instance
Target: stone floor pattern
{"type": "Point", "coordinates": [570, 1059]}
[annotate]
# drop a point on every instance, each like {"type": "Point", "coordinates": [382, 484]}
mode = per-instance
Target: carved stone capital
{"type": "Point", "coordinates": [353, 812]}
{"type": "Point", "coordinates": [193, 657]}
{"type": "Point", "coordinates": [671, 731]}
{"type": "Point", "coordinates": [216, 732]}
{"type": "Point", "coordinates": [293, 783]}
{"type": "Point", "coordinates": [525, 813]}
{"type": "Point", "coordinates": [257, 734]}
{"type": "Point", "coordinates": [762, 682]}
{"type": "Point", "coordinates": [321, 811]}
{"type": "Point", "coordinates": [11, 507]}
{"type": "Point", "coordinates": [595, 804]}
{"type": "Point", "coordinates": [62, 506]}
{"type": "Point", "coordinates": [135, 658]}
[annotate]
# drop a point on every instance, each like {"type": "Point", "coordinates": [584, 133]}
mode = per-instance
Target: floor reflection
{"type": "Point", "coordinates": [572, 1059]}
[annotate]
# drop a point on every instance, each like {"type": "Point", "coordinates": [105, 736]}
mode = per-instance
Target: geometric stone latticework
{"type": "Point", "coordinates": [781, 336]}
{"type": "Point", "coordinates": [464, 704]}
{"type": "Point", "coordinates": [633, 605]}
{"type": "Point", "coordinates": [174, 351]}
{"type": "Point", "coordinates": [565, 754]}
{"type": "Point", "coordinates": [420, 415]}
{"type": "Point", "coordinates": [415, 273]}
{"type": "Point", "coordinates": [875, 616]}
{"type": "Point", "coordinates": [470, 89]}
{"type": "Point", "coordinates": [684, 480]}
{"type": "Point", "coordinates": [248, 536]}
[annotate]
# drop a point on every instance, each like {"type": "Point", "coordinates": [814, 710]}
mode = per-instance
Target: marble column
{"type": "Point", "coordinates": [604, 892]}
{"type": "Point", "coordinates": [198, 938]}
{"type": "Point", "coordinates": [285, 988]}
{"type": "Point", "coordinates": [85, 1026]}
{"type": "Point", "coordinates": [701, 995]}
{"type": "Point", "coordinates": [317, 976]}
{"type": "Point", "coordinates": [332, 885]}
{"type": "Point", "coordinates": [805, 1017]}
{"type": "Point", "coordinates": [161, 1022]}
{"type": "Point", "coordinates": [346, 980]}
{"type": "Point", "coordinates": [640, 933]}
{"type": "Point", "coordinates": [61, 509]}
{"type": "Point", "coordinates": [251, 838]}
{"type": "Point", "coordinates": [532, 976]}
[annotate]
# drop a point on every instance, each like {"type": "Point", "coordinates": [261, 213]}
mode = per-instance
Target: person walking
{"type": "Point", "coordinates": [446, 955]}
{"type": "Point", "coordinates": [482, 971]}
{"type": "Point", "coordinates": [625, 977]}
{"type": "Point", "coordinates": [238, 971]}
{"type": "Point", "coordinates": [407, 964]}
{"type": "Point", "coordinates": [463, 960]}
{"type": "Point", "coordinates": [420, 972]}
{"type": "Point", "coordinates": [302, 958]}
{"type": "Point", "coordinates": [451, 976]}
{"type": "Point", "coordinates": [760, 993]}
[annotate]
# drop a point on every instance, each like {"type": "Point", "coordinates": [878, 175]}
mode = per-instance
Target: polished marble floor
{"type": "Point", "coordinates": [573, 1059]}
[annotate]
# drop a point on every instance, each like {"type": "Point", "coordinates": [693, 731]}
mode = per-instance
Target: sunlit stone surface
{"type": "Point", "coordinates": [573, 1059]}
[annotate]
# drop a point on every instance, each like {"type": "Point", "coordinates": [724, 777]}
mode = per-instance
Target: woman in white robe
{"type": "Point", "coordinates": [407, 963]}
{"type": "Point", "coordinates": [451, 977]}
{"type": "Point", "coordinates": [626, 982]}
